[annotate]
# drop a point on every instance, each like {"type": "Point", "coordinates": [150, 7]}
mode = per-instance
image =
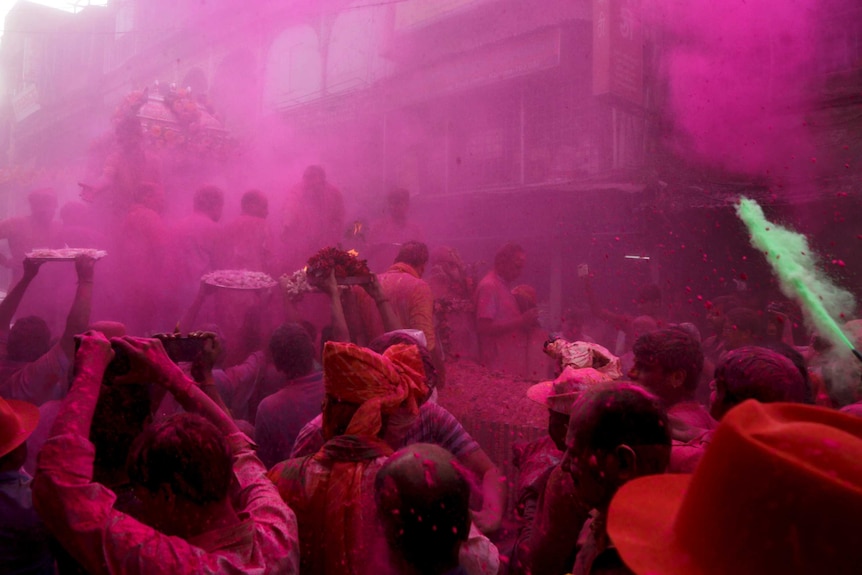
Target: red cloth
{"type": "Point", "coordinates": [377, 383]}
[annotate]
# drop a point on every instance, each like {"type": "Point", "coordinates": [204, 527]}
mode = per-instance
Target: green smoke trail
{"type": "Point", "coordinates": [799, 278]}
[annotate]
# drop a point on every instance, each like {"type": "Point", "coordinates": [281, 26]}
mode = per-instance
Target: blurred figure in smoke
{"type": "Point", "coordinates": [141, 263]}
{"type": "Point", "coordinates": [648, 303]}
{"type": "Point", "coordinates": [743, 327]}
{"type": "Point", "coordinates": [537, 365]}
{"type": "Point", "coordinates": [197, 240]}
{"type": "Point", "coordinates": [572, 326]}
{"type": "Point", "coordinates": [388, 234]}
{"type": "Point", "coordinates": [247, 243]}
{"type": "Point", "coordinates": [454, 309]}
{"type": "Point", "coordinates": [501, 325]}
{"type": "Point", "coordinates": [78, 229]}
{"type": "Point", "coordinates": [128, 164]}
{"type": "Point", "coordinates": [34, 231]}
{"type": "Point", "coordinates": [313, 217]}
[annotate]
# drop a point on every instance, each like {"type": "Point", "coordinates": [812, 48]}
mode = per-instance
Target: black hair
{"type": "Point", "coordinates": [292, 350]}
{"type": "Point", "coordinates": [672, 349]}
{"type": "Point", "coordinates": [622, 414]}
{"type": "Point", "coordinates": [424, 503]}
{"type": "Point", "coordinates": [187, 453]}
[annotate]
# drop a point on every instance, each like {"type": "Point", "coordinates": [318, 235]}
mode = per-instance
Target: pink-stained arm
{"type": "Point", "coordinates": [79, 314]}
{"type": "Point", "coordinates": [494, 490]}
{"type": "Point", "coordinates": [149, 359]}
{"type": "Point", "coordinates": [10, 303]}
{"type": "Point", "coordinates": [80, 514]}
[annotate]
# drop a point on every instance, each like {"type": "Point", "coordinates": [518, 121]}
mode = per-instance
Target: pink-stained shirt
{"type": "Point", "coordinates": [411, 299]}
{"type": "Point", "coordinates": [197, 238]}
{"type": "Point", "coordinates": [506, 351]}
{"type": "Point", "coordinates": [80, 514]}
{"type": "Point", "coordinates": [311, 221]}
{"type": "Point", "coordinates": [247, 244]}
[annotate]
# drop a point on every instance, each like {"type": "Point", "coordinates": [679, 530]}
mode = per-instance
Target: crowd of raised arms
{"type": "Point", "coordinates": [317, 430]}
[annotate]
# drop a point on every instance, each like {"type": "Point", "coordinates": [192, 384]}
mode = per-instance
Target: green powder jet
{"type": "Point", "coordinates": [799, 278]}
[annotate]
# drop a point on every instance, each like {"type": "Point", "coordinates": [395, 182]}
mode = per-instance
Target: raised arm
{"type": "Point", "coordinates": [10, 303]}
{"type": "Point", "coordinates": [148, 359]}
{"type": "Point", "coordinates": [91, 360]}
{"type": "Point", "coordinates": [340, 332]}
{"type": "Point", "coordinates": [190, 317]}
{"type": "Point", "coordinates": [79, 315]}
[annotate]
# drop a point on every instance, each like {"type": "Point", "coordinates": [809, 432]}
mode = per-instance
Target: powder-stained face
{"type": "Point", "coordinates": [649, 374]}
{"type": "Point", "coordinates": [512, 269]}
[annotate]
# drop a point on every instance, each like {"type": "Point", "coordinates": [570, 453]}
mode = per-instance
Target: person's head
{"type": "Point", "coordinates": [314, 179]}
{"type": "Point", "coordinates": [209, 200]}
{"type": "Point", "coordinates": [742, 327]}
{"type": "Point", "coordinates": [292, 350]}
{"type": "Point", "coordinates": [617, 431]}
{"type": "Point", "coordinates": [398, 202]}
{"type": "Point", "coordinates": [28, 340]}
{"type": "Point", "coordinates": [150, 195]}
{"type": "Point", "coordinates": [43, 205]}
{"type": "Point", "coordinates": [509, 262]}
{"type": "Point", "coordinates": [668, 362]}
{"type": "Point", "coordinates": [423, 502]}
{"type": "Point", "coordinates": [560, 394]}
{"type": "Point", "coordinates": [756, 373]}
{"type": "Point", "coordinates": [649, 300]}
{"type": "Point", "coordinates": [717, 314]}
{"type": "Point", "coordinates": [415, 255]}
{"type": "Point", "coordinates": [643, 324]}
{"type": "Point", "coordinates": [403, 337]}
{"type": "Point", "coordinates": [363, 387]}
{"type": "Point", "coordinates": [18, 420]}
{"type": "Point", "coordinates": [180, 467]}
{"type": "Point", "coordinates": [255, 204]}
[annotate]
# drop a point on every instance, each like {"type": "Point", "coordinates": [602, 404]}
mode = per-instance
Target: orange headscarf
{"type": "Point", "coordinates": [378, 383]}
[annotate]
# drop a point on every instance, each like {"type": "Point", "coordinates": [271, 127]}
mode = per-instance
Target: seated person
{"type": "Point", "coordinates": [181, 468]}
{"type": "Point", "coordinates": [777, 492]}
{"type": "Point", "coordinates": [24, 541]}
{"type": "Point", "coordinates": [423, 502]}
{"type": "Point", "coordinates": [33, 370]}
{"type": "Point", "coordinates": [281, 415]}
{"type": "Point", "coordinates": [617, 432]}
{"type": "Point", "coordinates": [332, 490]}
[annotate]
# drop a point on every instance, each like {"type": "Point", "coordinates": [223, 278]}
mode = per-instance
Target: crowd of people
{"type": "Point", "coordinates": [312, 436]}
